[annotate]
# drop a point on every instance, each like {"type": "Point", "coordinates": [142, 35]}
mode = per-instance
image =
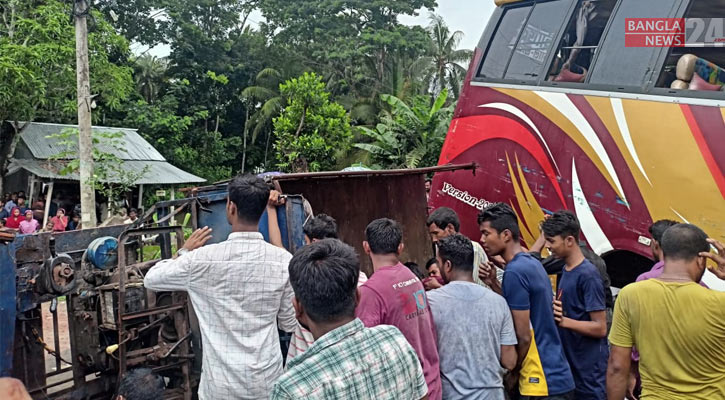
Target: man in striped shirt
{"type": "Point", "coordinates": [320, 227]}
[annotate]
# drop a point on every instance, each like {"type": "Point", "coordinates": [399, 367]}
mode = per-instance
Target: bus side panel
{"type": "Point", "coordinates": [610, 160]}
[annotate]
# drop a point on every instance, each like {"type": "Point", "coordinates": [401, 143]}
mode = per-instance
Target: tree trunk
{"type": "Point", "coordinates": [266, 148]}
{"type": "Point", "coordinates": [244, 139]}
{"type": "Point", "coordinates": [85, 142]}
{"type": "Point", "coordinates": [10, 136]}
{"type": "Point", "coordinates": [302, 122]}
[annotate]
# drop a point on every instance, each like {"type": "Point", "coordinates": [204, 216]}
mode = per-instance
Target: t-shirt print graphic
{"type": "Point", "coordinates": [414, 303]}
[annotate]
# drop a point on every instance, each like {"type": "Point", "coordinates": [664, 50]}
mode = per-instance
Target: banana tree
{"type": "Point", "coordinates": [408, 136]}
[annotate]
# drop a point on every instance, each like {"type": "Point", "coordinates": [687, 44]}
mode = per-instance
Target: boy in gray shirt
{"type": "Point", "coordinates": [476, 337]}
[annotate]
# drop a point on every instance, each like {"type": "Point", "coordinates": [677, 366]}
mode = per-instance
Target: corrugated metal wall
{"type": "Point", "coordinates": [355, 201]}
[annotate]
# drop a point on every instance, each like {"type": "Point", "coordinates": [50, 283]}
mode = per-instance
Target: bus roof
{"type": "Point", "coordinates": [500, 3]}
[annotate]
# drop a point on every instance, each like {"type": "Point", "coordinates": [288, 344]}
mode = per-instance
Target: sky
{"type": "Point", "coordinates": [467, 16]}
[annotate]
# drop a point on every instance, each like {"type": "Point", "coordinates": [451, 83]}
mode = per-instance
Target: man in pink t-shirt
{"type": "Point", "coordinates": [394, 296]}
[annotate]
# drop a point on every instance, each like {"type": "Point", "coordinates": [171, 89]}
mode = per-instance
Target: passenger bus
{"type": "Point", "coordinates": [560, 114]}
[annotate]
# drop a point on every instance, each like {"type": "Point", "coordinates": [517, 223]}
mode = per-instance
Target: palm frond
{"type": "Point", "coordinates": [258, 93]}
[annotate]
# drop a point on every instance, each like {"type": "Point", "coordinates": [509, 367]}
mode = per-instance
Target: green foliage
{"type": "Point", "coordinates": [37, 62]}
{"type": "Point", "coordinates": [408, 136]}
{"type": "Point", "coordinates": [357, 45]}
{"type": "Point", "coordinates": [443, 66]}
{"type": "Point", "coordinates": [110, 178]}
{"type": "Point", "coordinates": [311, 129]}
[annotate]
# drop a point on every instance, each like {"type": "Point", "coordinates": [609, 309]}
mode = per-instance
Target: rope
{"type": "Point", "coordinates": [47, 348]}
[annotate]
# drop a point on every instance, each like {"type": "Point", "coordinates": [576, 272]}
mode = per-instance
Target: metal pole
{"type": "Point", "coordinates": [85, 143]}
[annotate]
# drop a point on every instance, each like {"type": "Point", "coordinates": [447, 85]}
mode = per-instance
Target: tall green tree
{"type": "Point", "coordinates": [312, 129]}
{"type": "Point", "coordinates": [352, 43]}
{"type": "Point", "coordinates": [408, 136]}
{"type": "Point", "coordinates": [266, 102]}
{"type": "Point", "coordinates": [149, 75]}
{"type": "Point", "coordinates": [37, 68]}
{"type": "Point", "coordinates": [443, 66]}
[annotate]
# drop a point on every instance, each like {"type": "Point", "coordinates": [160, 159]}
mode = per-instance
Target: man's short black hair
{"type": "Point", "coordinates": [502, 217]}
{"type": "Point", "coordinates": [141, 384]}
{"type": "Point", "coordinates": [324, 278]}
{"type": "Point", "coordinates": [684, 242]}
{"type": "Point", "coordinates": [321, 227]}
{"type": "Point", "coordinates": [563, 223]}
{"type": "Point", "coordinates": [384, 236]}
{"type": "Point", "coordinates": [413, 267]}
{"type": "Point", "coordinates": [458, 250]}
{"type": "Point", "coordinates": [443, 216]}
{"type": "Point", "coordinates": [250, 194]}
{"type": "Point", "coordinates": [658, 228]}
{"type": "Point", "coordinates": [430, 263]}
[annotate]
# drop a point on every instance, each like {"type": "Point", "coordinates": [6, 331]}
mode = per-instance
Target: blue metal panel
{"type": "Point", "coordinates": [7, 307]}
{"type": "Point", "coordinates": [215, 217]}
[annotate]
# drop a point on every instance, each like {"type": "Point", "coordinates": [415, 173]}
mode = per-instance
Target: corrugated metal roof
{"type": "Point", "coordinates": [159, 172]}
{"type": "Point", "coordinates": [135, 147]}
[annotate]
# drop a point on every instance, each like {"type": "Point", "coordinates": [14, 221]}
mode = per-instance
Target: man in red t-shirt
{"type": "Point", "coordinates": [394, 296]}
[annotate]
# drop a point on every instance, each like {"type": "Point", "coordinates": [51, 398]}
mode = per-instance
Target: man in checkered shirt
{"type": "Point", "coordinates": [241, 293]}
{"type": "Point", "coordinates": [347, 360]}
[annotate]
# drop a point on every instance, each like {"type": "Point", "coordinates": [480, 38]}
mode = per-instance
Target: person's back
{"type": "Point", "coordinates": [394, 296]}
{"type": "Point", "coordinates": [472, 323]}
{"type": "Point", "coordinates": [240, 291]}
{"type": "Point", "coordinates": [677, 325]}
{"type": "Point", "coordinates": [360, 362]}
{"type": "Point", "coordinates": [247, 278]}
{"type": "Point", "coordinates": [679, 330]}
{"type": "Point", "coordinates": [476, 335]}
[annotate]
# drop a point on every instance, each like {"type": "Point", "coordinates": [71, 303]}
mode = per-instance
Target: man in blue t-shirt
{"type": "Point", "coordinates": [542, 371]}
{"type": "Point", "coordinates": [579, 308]}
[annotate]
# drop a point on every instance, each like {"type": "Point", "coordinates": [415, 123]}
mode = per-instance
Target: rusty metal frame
{"type": "Point", "coordinates": [178, 305]}
{"type": "Point", "coordinates": [473, 166]}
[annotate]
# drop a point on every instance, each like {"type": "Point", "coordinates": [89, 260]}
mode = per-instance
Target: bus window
{"type": "Point", "coordinates": [580, 41]}
{"type": "Point", "coordinates": [696, 68]}
{"type": "Point", "coordinates": [534, 46]}
{"type": "Point", "coordinates": [502, 44]}
{"type": "Point", "coordinates": [629, 67]}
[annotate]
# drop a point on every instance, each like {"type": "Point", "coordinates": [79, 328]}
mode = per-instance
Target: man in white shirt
{"type": "Point", "coordinates": [444, 222]}
{"type": "Point", "coordinates": [241, 293]}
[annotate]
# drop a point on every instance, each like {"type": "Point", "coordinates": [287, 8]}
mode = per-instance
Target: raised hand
{"type": "Point", "coordinates": [275, 199]}
{"type": "Point", "coordinates": [718, 257]}
{"type": "Point", "coordinates": [198, 238]}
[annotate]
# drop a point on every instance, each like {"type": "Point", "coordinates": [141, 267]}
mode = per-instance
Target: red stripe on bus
{"type": "Point", "coordinates": [466, 132]}
{"type": "Point", "coordinates": [704, 149]}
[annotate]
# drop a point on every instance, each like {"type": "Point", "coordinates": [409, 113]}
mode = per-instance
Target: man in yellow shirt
{"type": "Point", "coordinates": [677, 325]}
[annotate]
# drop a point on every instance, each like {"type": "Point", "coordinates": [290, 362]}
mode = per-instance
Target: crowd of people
{"type": "Point", "coordinates": [486, 323]}
{"type": "Point", "coordinates": [17, 215]}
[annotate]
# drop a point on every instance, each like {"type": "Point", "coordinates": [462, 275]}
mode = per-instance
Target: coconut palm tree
{"type": "Point", "coordinates": [445, 65]}
{"type": "Point", "coordinates": [150, 74]}
{"type": "Point", "coordinates": [265, 99]}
